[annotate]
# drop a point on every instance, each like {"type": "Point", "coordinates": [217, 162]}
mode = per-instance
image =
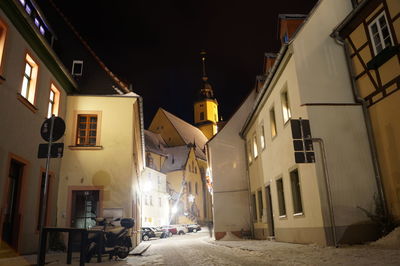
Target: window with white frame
{"type": "Point", "coordinates": [77, 67]}
{"type": "Point", "coordinates": [296, 193]}
{"type": "Point", "coordinates": [255, 149]}
{"type": "Point", "coordinates": [287, 114]}
{"type": "Point", "coordinates": [380, 33]}
{"type": "Point", "coordinates": [281, 197]}
{"type": "Point", "coordinates": [29, 79]}
{"type": "Point", "coordinates": [249, 157]}
{"type": "Point", "coordinates": [262, 137]}
{"type": "Point", "coordinates": [273, 122]}
{"type": "Point", "coordinates": [54, 101]}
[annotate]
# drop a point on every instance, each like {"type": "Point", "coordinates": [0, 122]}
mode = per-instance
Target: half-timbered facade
{"type": "Point", "coordinates": [371, 34]}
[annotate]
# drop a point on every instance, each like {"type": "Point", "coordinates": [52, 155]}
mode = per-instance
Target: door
{"type": "Point", "coordinates": [270, 217]}
{"type": "Point", "coordinates": [12, 219]}
{"type": "Point", "coordinates": [85, 208]}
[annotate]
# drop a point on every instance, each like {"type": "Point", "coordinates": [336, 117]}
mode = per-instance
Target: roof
{"type": "Point", "coordinates": [155, 143]}
{"type": "Point", "coordinates": [189, 134]}
{"type": "Point", "coordinates": [177, 158]}
{"type": "Point", "coordinates": [96, 79]}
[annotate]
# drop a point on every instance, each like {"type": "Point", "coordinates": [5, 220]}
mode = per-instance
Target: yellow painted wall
{"type": "Point", "coordinates": [161, 125]}
{"type": "Point", "coordinates": [383, 113]}
{"type": "Point", "coordinates": [384, 118]}
{"type": "Point", "coordinates": [115, 165]}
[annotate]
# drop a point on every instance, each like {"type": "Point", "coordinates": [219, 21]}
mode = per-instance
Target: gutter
{"type": "Point", "coordinates": [358, 99]}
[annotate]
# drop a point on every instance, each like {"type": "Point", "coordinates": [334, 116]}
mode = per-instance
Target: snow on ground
{"type": "Point", "coordinates": [199, 249]}
{"type": "Point", "coordinates": [391, 241]}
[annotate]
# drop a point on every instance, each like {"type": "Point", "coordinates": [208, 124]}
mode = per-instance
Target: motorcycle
{"type": "Point", "coordinates": [116, 241]}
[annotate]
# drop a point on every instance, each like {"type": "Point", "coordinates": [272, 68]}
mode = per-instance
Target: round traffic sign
{"type": "Point", "coordinates": [58, 129]}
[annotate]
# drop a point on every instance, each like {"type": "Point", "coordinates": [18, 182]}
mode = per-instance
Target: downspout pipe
{"type": "Point", "coordinates": [367, 118]}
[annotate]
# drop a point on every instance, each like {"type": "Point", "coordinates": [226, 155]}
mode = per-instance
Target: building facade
{"type": "Point", "coordinates": [318, 201]}
{"type": "Point", "coordinates": [100, 169]}
{"type": "Point", "coordinates": [371, 34]}
{"type": "Point", "coordinates": [33, 86]}
{"type": "Point", "coordinates": [231, 203]}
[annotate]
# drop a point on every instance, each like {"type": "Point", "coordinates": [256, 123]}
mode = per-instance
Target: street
{"type": "Point", "coordinates": [199, 249]}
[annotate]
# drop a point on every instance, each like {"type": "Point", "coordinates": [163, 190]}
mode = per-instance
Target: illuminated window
{"type": "Point", "coordinates": [37, 23]}
{"type": "Point", "coordinates": [249, 152]}
{"type": "Point", "coordinates": [41, 29]}
{"type": "Point", "coordinates": [29, 79]}
{"type": "Point", "coordinates": [28, 9]}
{"type": "Point", "coordinates": [54, 101]}
{"type": "Point", "coordinates": [3, 33]}
{"type": "Point", "coordinates": [380, 33]}
{"type": "Point", "coordinates": [255, 149]}
{"type": "Point", "coordinates": [262, 137]}
{"type": "Point", "coordinates": [273, 122]}
{"type": "Point", "coordinates": [86, 130]}
{"type": "Point", "coordinates": [285, 107]}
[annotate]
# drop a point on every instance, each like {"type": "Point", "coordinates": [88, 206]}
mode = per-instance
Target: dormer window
{"type": "Point", "coordinates": [41, 29]}
{"type": "Point", "coordinates": [77, 68]}
{"type": "Point", "coordinates": [28, 9]}
{"type": "Point", "coordinates": [37, 23]}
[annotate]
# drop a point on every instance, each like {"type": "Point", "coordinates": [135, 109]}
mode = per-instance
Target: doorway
{"type": "Point", "coordinates": [12, 219]}
{"type": "Point", "coordinates": [270, 216]}
{"type": "Point", "coordinates": [85, 208]}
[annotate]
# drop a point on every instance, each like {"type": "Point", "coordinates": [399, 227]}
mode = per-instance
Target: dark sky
{"type": "Point", "coordinates": [155, 45]}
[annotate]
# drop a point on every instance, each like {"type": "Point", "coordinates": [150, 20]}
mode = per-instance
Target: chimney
{"type": "Point", "coordinates": [288, 24]}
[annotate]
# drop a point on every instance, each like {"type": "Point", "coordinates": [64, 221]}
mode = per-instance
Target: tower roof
{"type": "Point", "coordinates": [206, 92]}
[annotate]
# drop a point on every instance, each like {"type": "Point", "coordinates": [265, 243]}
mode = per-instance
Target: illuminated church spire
{"type": "Point", "coordinates": [206, 105]}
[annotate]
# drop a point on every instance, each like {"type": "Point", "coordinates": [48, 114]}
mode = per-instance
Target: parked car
{"type": "Point", "coordinates": [176, 229]}
{"type": "Point", "coordinates": [172, 230]}
{"type": "Point", "coordinates": [193, 228]}
{"type": "Point", "coordinates": [147, 233]}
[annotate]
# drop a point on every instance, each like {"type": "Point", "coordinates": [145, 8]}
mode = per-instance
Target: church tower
{"type": "Point", "coordinates": [206, 105]}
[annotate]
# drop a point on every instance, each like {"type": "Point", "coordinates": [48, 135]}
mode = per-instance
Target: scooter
{"type": "Point", "coordinates": [116, 242]}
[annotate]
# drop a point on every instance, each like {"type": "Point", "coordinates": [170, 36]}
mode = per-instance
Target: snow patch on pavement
{"type": "Point", "coordinates": [391, 241]}
{"type": "Point", "coordinates": [230, 237]}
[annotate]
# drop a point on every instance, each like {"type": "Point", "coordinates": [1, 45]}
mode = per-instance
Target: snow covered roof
{"type": "Point", "coordinates": [189, 133]}
{"type": "Point", "coordinates": [154, 143]}
{"type": "Point", "coordinates": [177, 158]}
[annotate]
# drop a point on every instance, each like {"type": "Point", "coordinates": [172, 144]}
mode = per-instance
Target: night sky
{"type": "Point", "coordinates": [155, 45]}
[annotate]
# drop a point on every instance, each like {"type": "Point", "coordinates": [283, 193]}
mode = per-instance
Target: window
{"type": "Point", "coordinates": [86, 130]}
{"type": "Point", "coordinates": [29, 79]}
{"type": "Point", "coordinates": [254, 207]}
{"type": "Point", "coordinates": [273, 122]}
{"type": "Point", "coordinates": [262, 138]}
{"type": "Point", "coordinates": [159, 202]}
{"type": "Point", "coordinates": [285, 107]}
{"type": "Point", "coordinates": [42, 183]}
{"type": "Point", "coordinates": [190, 187]}
{"type": "Point", "coordinates": [196, 189]}
{"type": "Point", "coordinates": [260, 204]}
{"type": "Point", "coordinates": [255, 150]}
{"type": "Point", "coordinates": [54, 101]}
{"type": "Point", "coordinates": [151, 200]}
{"type": "Point", "coordinates": [3, 33]}
{"type": "Point", "coordinates": [77, 67]}
{"type": "Point", "coordinates": [296, 193]}
{"type": "Point", "coordinates": [201, 115]}
{"type": "Point", "coordinates": [249, 152]}
{"type": "Point", "coordinates": [281, 197]}
{"type": "Point", "coordinates": [380, 33]}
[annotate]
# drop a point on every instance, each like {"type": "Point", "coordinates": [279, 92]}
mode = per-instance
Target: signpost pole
{"type": "Point", "coordinates": [44, 196]}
